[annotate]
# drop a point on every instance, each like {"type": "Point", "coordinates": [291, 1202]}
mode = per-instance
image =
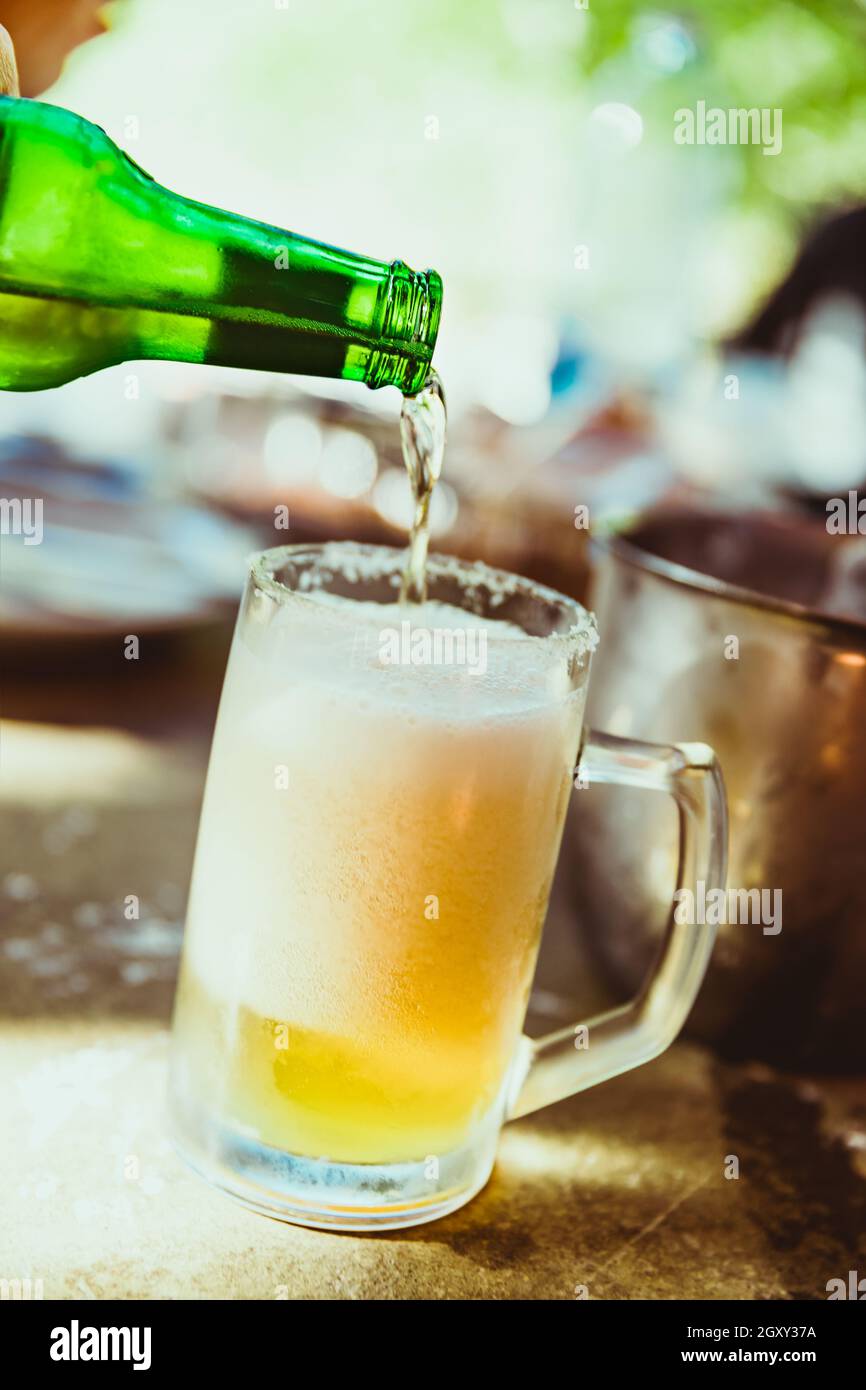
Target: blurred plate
{"type": "Point", "coordinates": [102, 557]}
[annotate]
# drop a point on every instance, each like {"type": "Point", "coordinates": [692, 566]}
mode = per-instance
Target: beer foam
{"type": "Point", "coordinates": [432, 661]}
{"type": "Point", "coordinates": [429, 614]}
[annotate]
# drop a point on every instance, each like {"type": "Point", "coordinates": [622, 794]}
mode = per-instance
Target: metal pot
{"type": "Point", "coordinates": [784, 706]}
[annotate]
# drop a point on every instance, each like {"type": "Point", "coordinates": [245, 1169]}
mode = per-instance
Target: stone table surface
{"type": "Point", "coordinates": [623, 1192]}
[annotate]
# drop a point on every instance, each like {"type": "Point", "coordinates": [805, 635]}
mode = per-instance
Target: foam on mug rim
{"type": "Point", "coordinates": [358, 562]}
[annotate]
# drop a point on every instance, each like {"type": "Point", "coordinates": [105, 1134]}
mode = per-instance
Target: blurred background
{"type": "Point", "coordinates": [592, 268]}
{"type": "Point", "coordinates": [670, 336]}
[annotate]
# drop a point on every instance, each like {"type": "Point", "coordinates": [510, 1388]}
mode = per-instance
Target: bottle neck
{"type": "Point", "coordinates": [287, 304]}
{"type": "Point", "coordinates": [276, 301]}
{"type": "Point", "coordinates": [172, 278]}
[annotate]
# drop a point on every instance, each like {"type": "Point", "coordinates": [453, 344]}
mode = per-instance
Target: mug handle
{"type": "Point", "coordinates": [553, 1067]}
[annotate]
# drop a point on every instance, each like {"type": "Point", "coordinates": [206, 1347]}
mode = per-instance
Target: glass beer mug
{"type": "Point", "coordinates": [381, 823]}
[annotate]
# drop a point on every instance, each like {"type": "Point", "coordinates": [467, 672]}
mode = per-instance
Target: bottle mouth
{"type": "Point", "coordinates": [410, 324]}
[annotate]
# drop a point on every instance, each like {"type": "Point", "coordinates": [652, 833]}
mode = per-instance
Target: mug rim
{"type": "Point", "coordinates": [623, 546]}
{"type": "Point", "coordinates": [581, 635]}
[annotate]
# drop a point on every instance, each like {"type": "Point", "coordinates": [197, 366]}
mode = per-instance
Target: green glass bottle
{"type": "Point", "coordinates": [99, 264]}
